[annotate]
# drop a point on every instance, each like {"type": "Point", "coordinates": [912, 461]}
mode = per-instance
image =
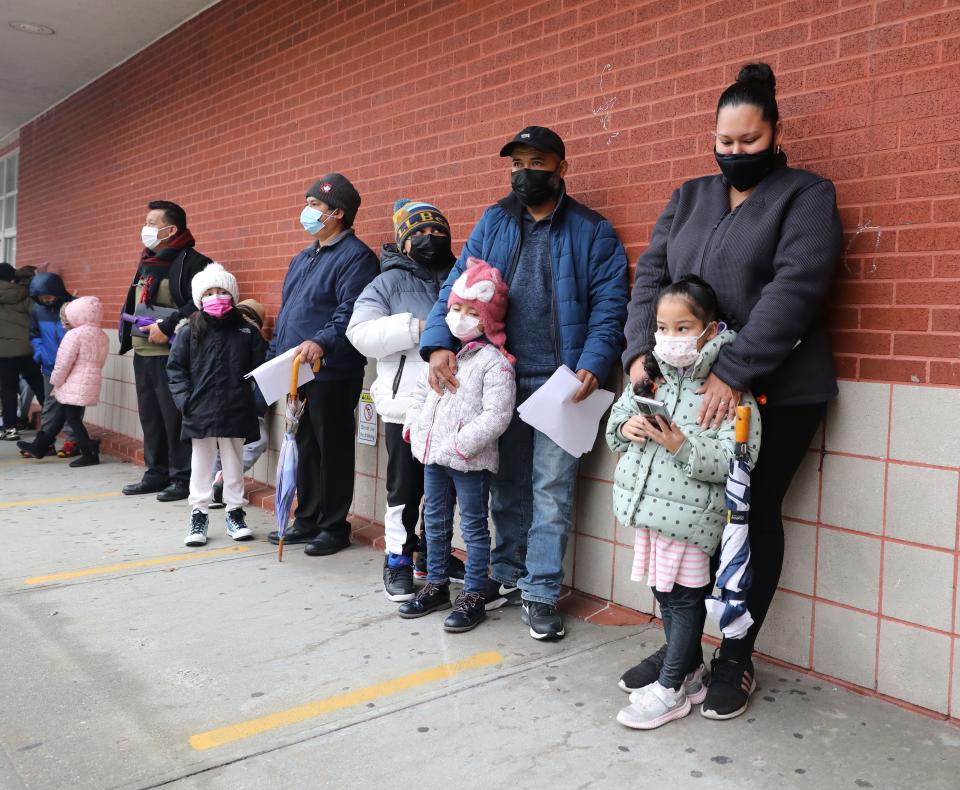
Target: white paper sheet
{"type": "Point", "coordinates": [273, 376]}
{"type": "Point", "coordinates": [552, 411]}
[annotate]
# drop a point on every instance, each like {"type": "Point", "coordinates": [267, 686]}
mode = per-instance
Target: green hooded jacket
{"type": "Point", "coordinates": [679, 496]}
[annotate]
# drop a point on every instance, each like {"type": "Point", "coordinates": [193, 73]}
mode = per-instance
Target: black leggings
{"type": "Point", "coordinates": [787, 433]}
{"type": "Point", "coordinates": [72, 416]}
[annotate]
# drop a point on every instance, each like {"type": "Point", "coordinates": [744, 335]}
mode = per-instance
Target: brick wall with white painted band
{"type": "Point", "coordinates": [235, 113]}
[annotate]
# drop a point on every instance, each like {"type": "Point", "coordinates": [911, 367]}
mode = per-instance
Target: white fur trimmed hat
{"type": "Point", "coordinates": [214, 276]}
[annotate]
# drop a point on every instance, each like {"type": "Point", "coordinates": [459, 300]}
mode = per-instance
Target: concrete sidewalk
{"type": "Point", "coordinates": [129, 661]}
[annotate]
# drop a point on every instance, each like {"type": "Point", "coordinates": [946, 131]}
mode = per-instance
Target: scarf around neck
{"type": "Point", "coordinates": [155, 265]}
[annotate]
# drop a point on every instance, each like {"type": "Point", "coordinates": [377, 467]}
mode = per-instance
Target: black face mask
{"type": "Point", "coordinates": [430, 251]}
{"type": "Point", "coordinates": [534, 187]}
{"type": "Point", "coordinates": [745, 171]}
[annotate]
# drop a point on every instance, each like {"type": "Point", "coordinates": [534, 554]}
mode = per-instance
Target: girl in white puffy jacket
{"type": "Point", "coordinates": [386, 323]}
{"type": "Point", "coordinates": [455, 433]}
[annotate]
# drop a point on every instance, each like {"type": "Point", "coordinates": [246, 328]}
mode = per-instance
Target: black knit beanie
{"type": "Point", "coordinates": [336, 191]}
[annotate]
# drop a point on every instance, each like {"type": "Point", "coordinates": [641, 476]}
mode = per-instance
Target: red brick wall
{"type": "Point", "coordinates": [234, 114]}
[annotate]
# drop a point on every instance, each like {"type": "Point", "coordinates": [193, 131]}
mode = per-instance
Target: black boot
{"type": "Point", "coordinates": [39, 447]}
{"type": "Point", "coordinates": [89, 454]}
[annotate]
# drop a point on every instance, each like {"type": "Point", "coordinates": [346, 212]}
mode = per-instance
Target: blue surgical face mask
{"type": "Point", "coordinates": [311, 219]}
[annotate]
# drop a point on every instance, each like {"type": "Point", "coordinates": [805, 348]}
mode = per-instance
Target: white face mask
{"type": "Point", "coordinates": [148, 235]}
{"type": "Point", "coordinates": [681, 352]}
{"type": "Point", "coordinates": [462, 326]}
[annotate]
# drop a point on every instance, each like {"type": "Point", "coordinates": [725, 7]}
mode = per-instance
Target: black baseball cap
{"type": "Point", "coordinates": [539, 137]}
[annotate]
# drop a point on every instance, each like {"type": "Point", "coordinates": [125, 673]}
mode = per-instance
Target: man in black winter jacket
{"type": "Point", "coordinates": [160, 290]}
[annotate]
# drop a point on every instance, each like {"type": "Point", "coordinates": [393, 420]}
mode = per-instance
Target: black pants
{"type": "Point", "coordinates": [68, 414]}
{"type": "Point", "coordinates": [787, 433]}
{"type": "Point", "coordinates": [11, 368]}
{"type": "Point", "coordinates": [683, 612]}
{"type": "Point", "coordinates": [327, 446]}
{"type": "Point", "coordinates": [404, 486]}
{"type": "Point", "coordinates": [166, 455]}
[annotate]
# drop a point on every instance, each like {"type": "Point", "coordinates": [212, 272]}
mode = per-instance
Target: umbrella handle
{"type": "Point", "coordinates": [280, 550]}
{"type": "Point", "coordinates": [743, 424]}
{"type": "Point", "coordinates": [295, 375]}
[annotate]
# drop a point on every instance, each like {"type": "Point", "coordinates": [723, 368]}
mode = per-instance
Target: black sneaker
{"type": "Point", "coordinates": [197, 536]}
{"type": "Point", "coordinates": [544, 620]}
{"type": "Point", "coordinates": [731, 684]}
{"type": "Point", "coordinates": [467, 614]}
{"type": "Point", "coordinates": [501, 595]}
{"type": "Point", "coordinates": [456, 570]}
{"type": "Point", "coordinates": [398, 581]}
{"type": "Point", "coordinates": [237, 525]}
{"type": "Point", "coordinates": [644, 673]}
{"type": "Point", "coordinates": [218, 503]}
{"type": "Point", "coordinates": [431, 598]}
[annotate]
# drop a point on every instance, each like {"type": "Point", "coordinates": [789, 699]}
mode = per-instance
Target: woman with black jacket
{"type": "Point", "coordinates": [208, 361]}
{"type": "Point", "coordinates": [767, 238]}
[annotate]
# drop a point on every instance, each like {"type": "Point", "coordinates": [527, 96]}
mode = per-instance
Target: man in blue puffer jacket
{"type": "Point", "coordinates": [567, 273]}
{"type": "Point", "coordinates": [319, 291]}
{"type": "Point", "coordinates": [46, 331]}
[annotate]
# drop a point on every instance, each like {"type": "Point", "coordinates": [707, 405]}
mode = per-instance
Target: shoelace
{"type": "Point", "coordinates": [237, 517]}
{"type": "Point", "coordinates": [727, 671]}
{"type": "Point", "coordinates": [659, 656]}
{"type": "Point", "coordinates": [196, 524]}
{"type": "Point", "coordinates": [395, 570]}
{"type": "Point", "coordinates": [427, 590]}
{"type": "Point", "coordinates": [467, 601]}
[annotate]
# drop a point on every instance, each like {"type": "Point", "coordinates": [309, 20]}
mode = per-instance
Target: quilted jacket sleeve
{"type": "Point", "coordinates": [707, 458]}
{"type": "Point", "coordinates": [66, 357]}
{"type": "Point", "coordinates": [608, 303]}
{"type": "Point", "coordinates": [374, 332]}
{"type": "Point", "coordinates": [623, 410]}
{"type": "Point", "coordinates": [435, 333]}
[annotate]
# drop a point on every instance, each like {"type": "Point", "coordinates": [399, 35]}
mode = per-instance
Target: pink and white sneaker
{"type": "Point", "coordinates": [654, 706]}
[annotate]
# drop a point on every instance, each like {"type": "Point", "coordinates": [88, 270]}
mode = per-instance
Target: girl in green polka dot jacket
{"type": "Point", "coordinates": [670, 484]}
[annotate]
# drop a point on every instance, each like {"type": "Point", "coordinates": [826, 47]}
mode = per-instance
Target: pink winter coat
{"type": "Point", "coordinates": [78, 371]}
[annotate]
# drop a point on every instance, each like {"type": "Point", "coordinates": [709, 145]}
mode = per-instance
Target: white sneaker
{"type": "Point", "coordinates": [197, 536]}
{"type": "Point", "coordinates": [693, 687]}
{"type": "Point", "coordinates": [654, 707]}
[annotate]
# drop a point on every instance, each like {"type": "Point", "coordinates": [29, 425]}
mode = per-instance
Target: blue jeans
{"type": "Point", "coordinates": [532, 505]}
{"type": "Point", "coordinates": [442, 487]}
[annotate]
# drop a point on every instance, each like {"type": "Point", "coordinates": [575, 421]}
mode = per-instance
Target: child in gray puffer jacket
{"type": "Point", "coordinates": [454, 434]}
{"type": "Point", "coordinates": [386, 323]}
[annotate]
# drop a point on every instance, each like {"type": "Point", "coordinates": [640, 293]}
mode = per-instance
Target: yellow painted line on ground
{"type": "Point", "coordinates": [59, 500]}
{"type": "Point", "coordinates": [246, 729]}
{"type": "Point", "coordinates": [119, 567]}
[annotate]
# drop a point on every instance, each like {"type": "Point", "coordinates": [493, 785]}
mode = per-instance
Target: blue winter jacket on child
{"type": "Point", "coordinates": [46, 329]}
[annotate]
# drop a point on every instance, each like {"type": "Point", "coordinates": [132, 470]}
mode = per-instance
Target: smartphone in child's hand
{"type": "Point", "coordinates": [651, 409]}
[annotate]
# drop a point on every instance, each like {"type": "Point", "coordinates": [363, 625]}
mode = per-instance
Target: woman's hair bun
{"type": "Point", "coordinates": [759, 73]}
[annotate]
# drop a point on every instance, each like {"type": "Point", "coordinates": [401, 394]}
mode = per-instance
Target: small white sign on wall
{"type": "Point", "coordinates": [367, 422]}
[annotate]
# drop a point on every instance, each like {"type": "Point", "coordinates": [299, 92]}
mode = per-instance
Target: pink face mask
{"type": "Point", "coordinates": [217, 305]}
